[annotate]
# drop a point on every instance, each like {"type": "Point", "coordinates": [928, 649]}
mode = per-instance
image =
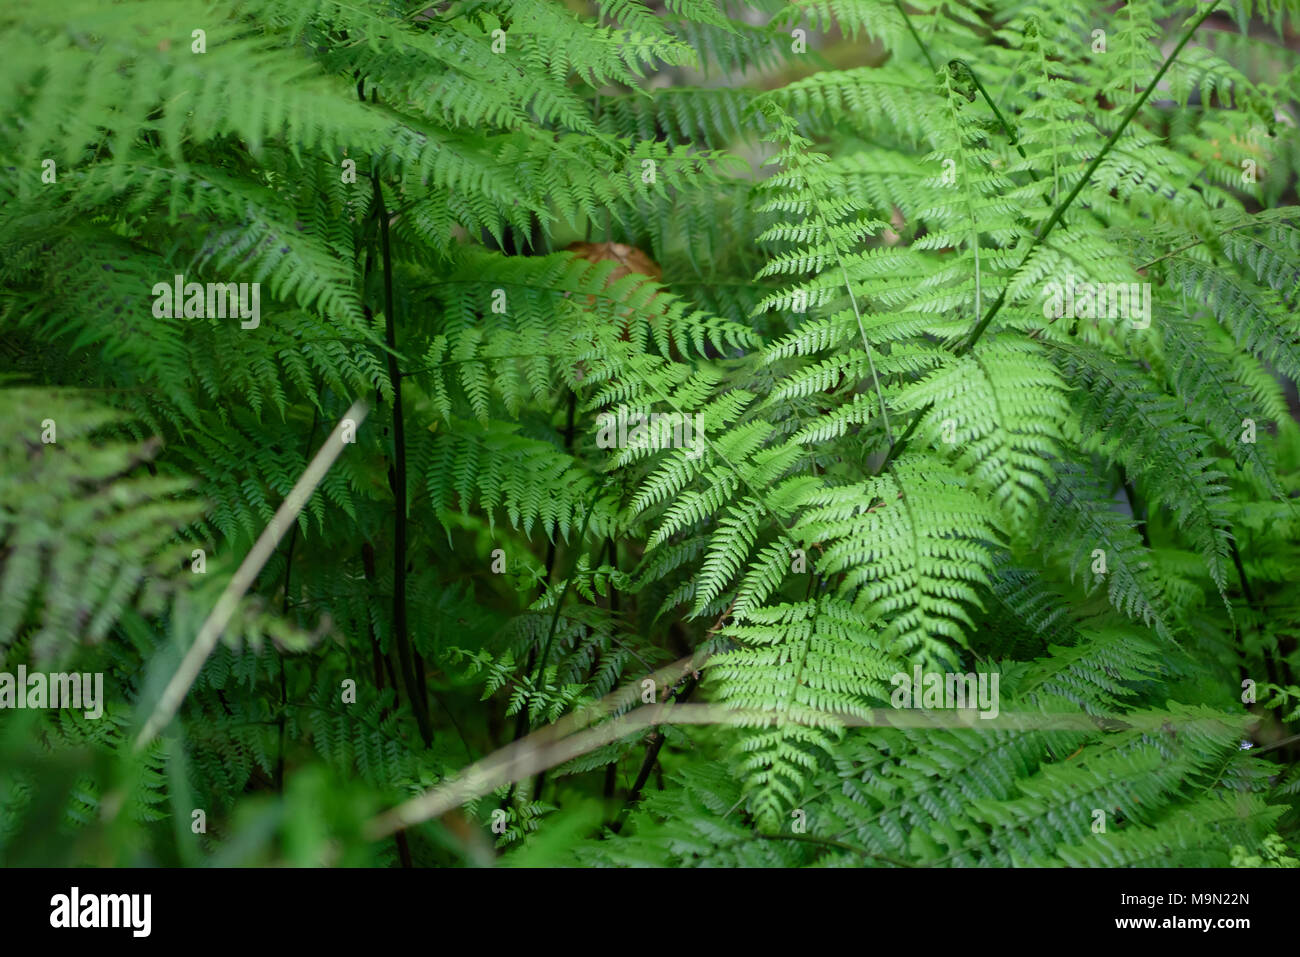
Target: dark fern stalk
{"type": "Point", "coordinates": [415, 686]}
{"type": "Point", "coordinates": [679, 693]}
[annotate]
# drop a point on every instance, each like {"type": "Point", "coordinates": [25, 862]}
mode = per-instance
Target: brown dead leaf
{"type": "Point", "coordinates": [629, 258]}
{"type": "Point", "coordinates": [630, 261]}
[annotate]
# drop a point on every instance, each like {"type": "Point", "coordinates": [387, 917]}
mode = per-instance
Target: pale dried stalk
{"type": "Point", "coordinates": [263, 548]}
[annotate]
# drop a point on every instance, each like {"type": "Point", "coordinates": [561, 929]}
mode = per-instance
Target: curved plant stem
{"type": "Point", "coordinates": [1045, 230]}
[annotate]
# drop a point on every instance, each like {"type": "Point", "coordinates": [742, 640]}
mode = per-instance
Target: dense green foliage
{"type": "Point", "coordinates": [827, 234]}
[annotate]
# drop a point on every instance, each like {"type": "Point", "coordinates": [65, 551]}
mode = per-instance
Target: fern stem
{"type": "Point", "coordinates": [407, 657]}
{"type": "Point", "coordinates": [1012, 137]}
{"type": "Point", "coordinates": [559, 601]}
{"type": "Point", "coordinates": [1270, 666]}
{"type": "Point", "coordinates": [550, 564]}
{"type": "Point", "coordinates": [381, 661]}
{"type": "Point", "coordinates": [1059, 211]}
{"type": "Point", "coordinates": [1046, 229]}
{"type": "Point", "coordinates": [402, 639]}
{"type": "Point", "coordinates": [1182, 249]}
{"type": "Point", "coordinates": [866, 346]}
{"type": "Point", "coordinates": [1139, 514]}
{"type": "Point", "coordinates": [651, 756]}
{"type": "Point", "coordinates": [916, 36]}
{"type": "Point", "coordinates": [522, 722]}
